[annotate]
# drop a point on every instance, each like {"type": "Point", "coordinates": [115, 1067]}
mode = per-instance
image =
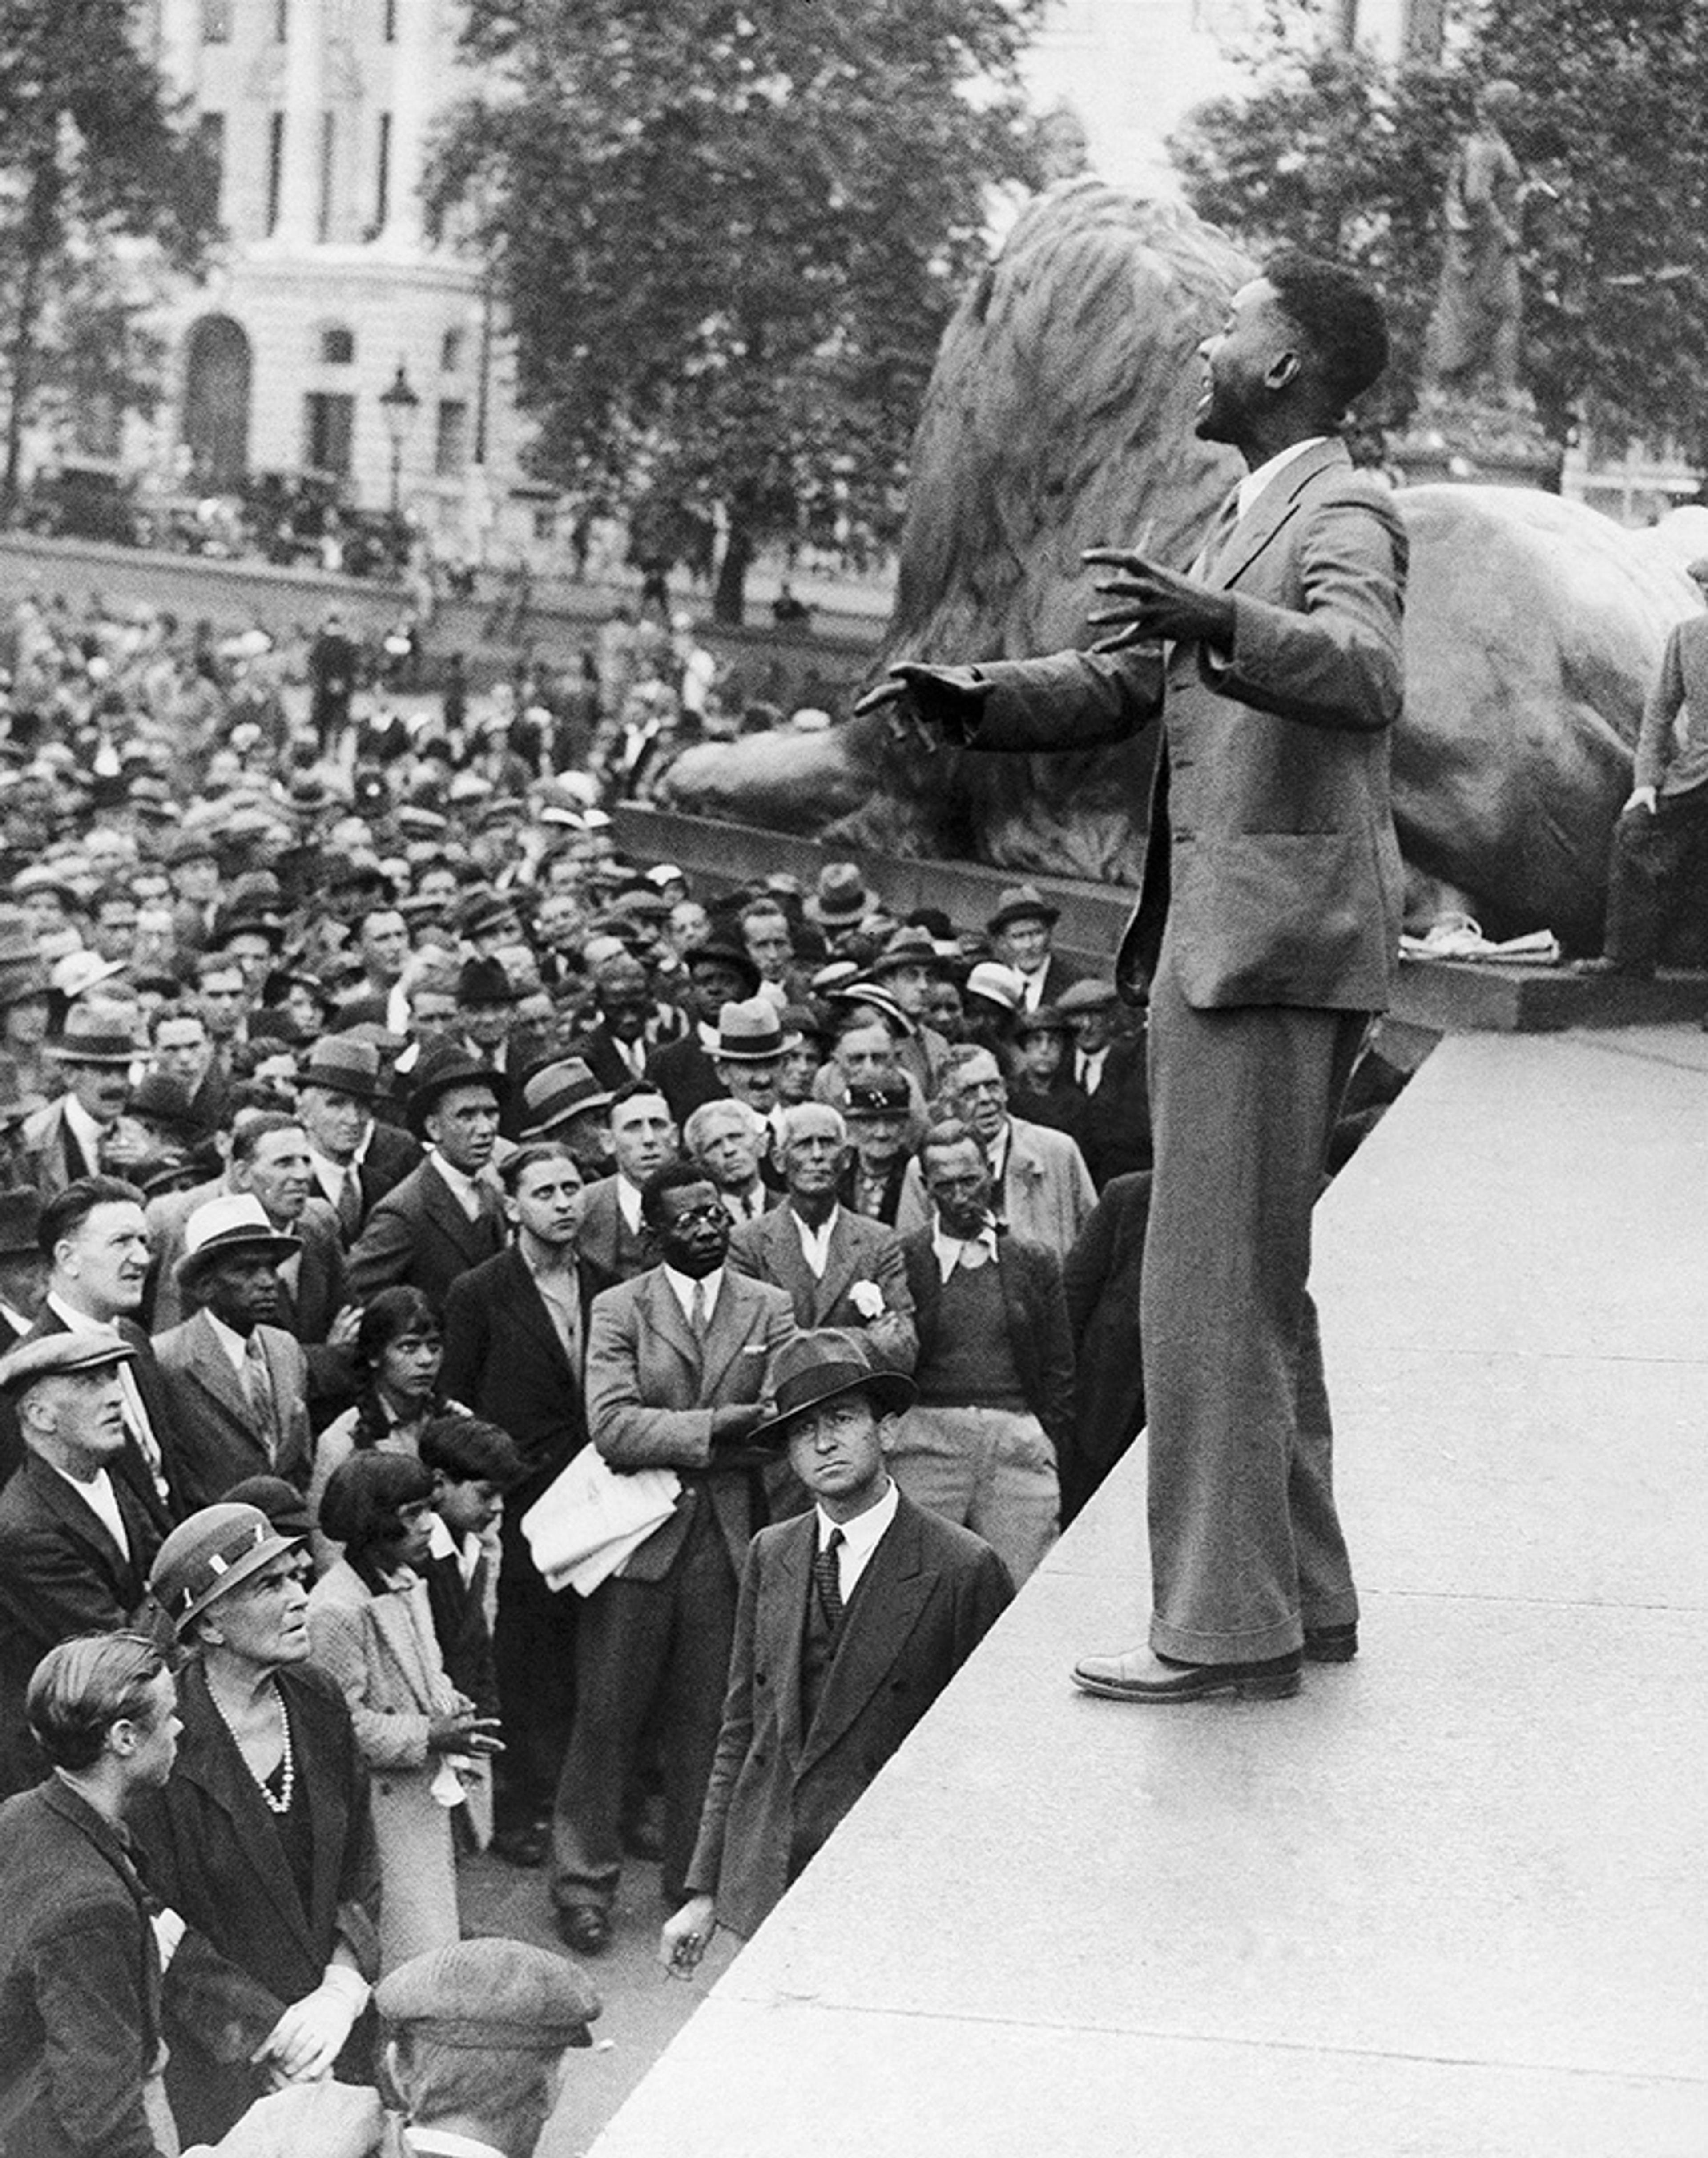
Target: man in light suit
{"type": "Point", "coordinates": [839, 1269]}
{"type": "Point", "coordinates": [676, 1371]}
{"type": "Point", "coordinates": [853, 1618]}
{"type": "Point", "coordinates": [1269, 922]}
{"type": "Point", "coordinates": [1042, 1189]}
{"type": "Point", "coordinates": [236, 1384]}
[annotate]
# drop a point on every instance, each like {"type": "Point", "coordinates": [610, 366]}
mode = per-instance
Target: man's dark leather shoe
{"type": "Point", "coordinates": [1139, 1675]}
{"type": "Point", "coordinates": [1330, 1644]}
{"type": "Point", "coordinates": [584, 1928]}
{"type": "Point", "coordinates": [526, 1844]}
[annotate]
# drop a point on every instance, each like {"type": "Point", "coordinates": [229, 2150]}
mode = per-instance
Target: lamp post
{"type": "Point", "coordinates": [399, 405]}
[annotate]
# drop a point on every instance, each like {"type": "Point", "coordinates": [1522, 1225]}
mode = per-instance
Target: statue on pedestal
{"type": "Point", "coordinates": [1478, 313]}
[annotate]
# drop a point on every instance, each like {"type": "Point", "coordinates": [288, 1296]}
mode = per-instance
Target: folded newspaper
{"type": "Point", "coordinates": [1459, 937]}
{"type": "Point", "coordinates": [591, 1516]}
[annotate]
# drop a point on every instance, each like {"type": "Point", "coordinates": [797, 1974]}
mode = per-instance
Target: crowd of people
{"type": "Point", "coordinates": [499, 1336]}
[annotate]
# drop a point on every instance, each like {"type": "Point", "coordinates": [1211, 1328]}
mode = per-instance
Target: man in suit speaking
{"type": "Point", "coordinates": [1268, 924]}
{"type": "Point", "coordinates": [853, 1619]}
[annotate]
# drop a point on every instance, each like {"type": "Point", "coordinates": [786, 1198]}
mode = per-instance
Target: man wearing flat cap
{"type": "Point", "coordinates": [236, 1382]}
{"type": "Point", "coordinates": [1660, 842]}
{"type": "Point", "coordinates": [853, 1617]}
{"type": "Point", "coordinates": [76, 1544]}
{"type": "Point", "coordinates": [475, 2041]}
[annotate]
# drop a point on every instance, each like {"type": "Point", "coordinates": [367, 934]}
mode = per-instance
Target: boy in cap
{"type": "Point", "coordinates": [853, 1617]}
{"type": "Point", "coordinates": [475, 2039]}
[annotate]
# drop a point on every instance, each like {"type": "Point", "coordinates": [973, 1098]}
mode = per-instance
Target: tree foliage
{"type": "Point", "coordinates": [99, 182]}
{"type": "Point", "coordinates": [727, 234]}
{"type": "Point", "coordinates": [1334, 150]}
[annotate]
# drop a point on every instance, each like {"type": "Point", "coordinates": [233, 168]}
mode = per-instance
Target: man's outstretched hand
{"type": "Point", "coordinates": [926, 703]}
{"type": "Point", "coordinates": [1156, 602]}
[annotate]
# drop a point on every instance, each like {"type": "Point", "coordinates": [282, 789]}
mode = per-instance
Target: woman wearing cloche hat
{"type": "Point", "coordinates": [260, 1839]}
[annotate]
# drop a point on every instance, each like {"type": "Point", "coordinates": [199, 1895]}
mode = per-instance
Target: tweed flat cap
{"type": "Point", "coordinates": [491, 1995]}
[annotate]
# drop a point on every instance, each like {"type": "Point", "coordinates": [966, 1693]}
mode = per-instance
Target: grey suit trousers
{"type": "Point", "coordinates": [1246, 1545]}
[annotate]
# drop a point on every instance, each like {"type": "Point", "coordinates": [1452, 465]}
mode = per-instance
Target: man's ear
{"type": "Point", "coordinates": [1282, 370]}
{"type": "Point", "coordinates": [888, 1428]}
{"type": "Point", "coordinates": [441, 1484]}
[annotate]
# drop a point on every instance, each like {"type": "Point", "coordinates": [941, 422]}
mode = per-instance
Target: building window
{"type": "Point", "coordinates": [328, 433]}
{"type": "Point", "coordinates": [281, 21]}
{"type": "Point", "coordinates": [382, 174]}
{"type": "Point", "coordinates": [388, 19]}
{"type": "Point", "coordinates": [216, 22]}
{"type": "Point", "coordinates": [450, 352]}
{"type": "Point", "coordinates": [210, 135]}
{"type": "Point", "coordinates": [337, 347]}
{"type": "Point", "coordinates": [276, 168]}
{"type": "Point", "coordinates": [451, 439]}
{"type": "Point", "coordinates": [97, 426]}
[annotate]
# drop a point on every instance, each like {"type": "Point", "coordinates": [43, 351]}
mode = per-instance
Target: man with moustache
{"type": "Point", "coordinates": [1269, 926]}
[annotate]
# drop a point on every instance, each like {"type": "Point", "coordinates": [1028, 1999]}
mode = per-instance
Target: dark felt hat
{"type": "Point", "coordinates": [819, 1366]}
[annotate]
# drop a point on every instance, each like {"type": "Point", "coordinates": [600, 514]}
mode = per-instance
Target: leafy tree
{"type": "Point", "coordinates": [96, 172]}
{"type": "Point", "coordinates": [727, 234]}
{"type": "Point", "coordinates": [1333, 149]}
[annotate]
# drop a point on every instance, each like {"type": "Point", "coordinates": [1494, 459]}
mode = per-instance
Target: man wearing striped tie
{"type": "Point", "coordinates": [853, 1618]}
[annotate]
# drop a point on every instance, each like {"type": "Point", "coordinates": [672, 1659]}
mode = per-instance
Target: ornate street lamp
{"type": "Point", "coordinates": [399, 405]}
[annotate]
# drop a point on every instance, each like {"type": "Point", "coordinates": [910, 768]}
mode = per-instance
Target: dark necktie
{"type": "Point", "coordinates": [350, 1204]}
{"type": "Point", "coordinates": [827, 1578]}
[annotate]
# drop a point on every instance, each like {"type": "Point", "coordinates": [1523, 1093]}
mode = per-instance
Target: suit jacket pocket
{"type": "Point", "coordinates": [1279, 917]}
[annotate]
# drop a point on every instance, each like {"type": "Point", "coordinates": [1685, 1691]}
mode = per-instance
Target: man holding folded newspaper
{"type": "Point", "coordinates": [676, 1365]}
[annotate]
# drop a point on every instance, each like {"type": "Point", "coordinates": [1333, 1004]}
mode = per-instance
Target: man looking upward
{"type": "Point", "coordinates": [1268, 924]}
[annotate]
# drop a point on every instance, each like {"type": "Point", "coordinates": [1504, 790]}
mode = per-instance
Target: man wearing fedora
{"type": "Point", "coordinates": [236, 1384]}
{"type": "Point", "coordinates": [86, 1131]}
{"type": "Point", "coordinates": [719, 973]}
{"type": "Point", "coordinates": [565, 1103]}
{"type": "Point", "coordinates": [853, 1617]}
{"type": "Point", "coordinates": [485, 1019]}
{"type": "Point", "coordinates": [1022, 934]}
{"type": "Point", "coordinates": [75, 1546]}
{"type": "Point", "coordinates": [355, 1158]}
{"type": "Point", "coordinates": [446, 1215]}
{"type": "Point", "coordinates": [677, 1362]}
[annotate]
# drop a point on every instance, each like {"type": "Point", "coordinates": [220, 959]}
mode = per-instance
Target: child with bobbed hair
{"type": "Point", "coordinates": [370, 1625]}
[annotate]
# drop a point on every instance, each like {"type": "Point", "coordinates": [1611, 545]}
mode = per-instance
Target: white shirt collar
{"type": "Point", "coordinates": [442, 1544]}
{"type": "Point", "coordinates": [860, 1536]}
{"type": "Point", "coordinates": [953, 1251]}
{"type": "Point", "coordinates": [235, 1344]}
{"type": "Point", "coordinates": [86, 1131]}
{"type": "Point", "coordinates": [102, 1501]}
{"type": "Point", "coordinates": [1253, 484]}
{"type": "Point", "coordinates": [815, 1243]}
{"type": "Point", "coordinates": [470, 1192]}
{"type": "Point", "coordinates": [628, 1204]}
{"type": "Point", "coordinates": [683, 1287]}
{"type": "Point", "coordinates": [445, 2143]}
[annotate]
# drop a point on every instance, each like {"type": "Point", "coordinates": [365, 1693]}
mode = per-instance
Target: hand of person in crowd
{"type": "Point", "coordinates": [123, 1147]}
{"type": "Point", "coordinates": [465, 1732]}
{"type": "Point", "coordinates": [1642, 797]}
{"type": "Point", "coordinates": [687, 1934]}
{"type": "Point", "coordinates": [1157, 602]}
{"type": "Point", "coordinates": [924, 703]}
{"type": "Point", "coordinates": [310, 2035]}
{"type": "Point", "coordinates": [736, 1422]}
{"type": "Point", "coordinates": [342, 1332]}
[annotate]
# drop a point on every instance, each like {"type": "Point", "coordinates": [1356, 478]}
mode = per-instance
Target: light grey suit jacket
{"type": "Point", "coordinates": [218, 1443]}
{"type": "Point", "coordinates": [652, 1389]}
{"type": "Point", "coordinates": [861, 1249]}
{"type": "Point", "coordinates": [1047, 1193]}
{"type": "Point", "coordinates": [1272, 853]}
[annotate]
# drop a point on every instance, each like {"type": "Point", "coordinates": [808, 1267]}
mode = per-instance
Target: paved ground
{"type": "Point", "coordinates": [1451, 1903]}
